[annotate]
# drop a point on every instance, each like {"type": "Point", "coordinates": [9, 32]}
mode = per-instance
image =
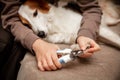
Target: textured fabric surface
{"type": "Point", "coordinates": [104, 65]}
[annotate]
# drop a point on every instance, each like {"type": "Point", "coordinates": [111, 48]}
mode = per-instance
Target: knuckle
{"type": "Point", "coordinates": [45, 66]}
{"type": "Point", "coordinates": [51, 65]}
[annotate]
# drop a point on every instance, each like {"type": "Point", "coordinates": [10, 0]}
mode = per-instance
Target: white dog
{"type": "Point", "coordinates": [58, 24]}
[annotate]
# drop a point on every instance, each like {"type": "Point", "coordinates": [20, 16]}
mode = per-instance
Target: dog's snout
{"type": "Point", "coordinates": [42, 34]}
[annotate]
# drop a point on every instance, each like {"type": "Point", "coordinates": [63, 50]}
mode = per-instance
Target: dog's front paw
{"type": "Point", "coordinates": [75, 47]}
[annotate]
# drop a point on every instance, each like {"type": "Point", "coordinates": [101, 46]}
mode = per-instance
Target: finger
{"type": "Point", "coordinates": [45, 65]}
{"type": "Point", "coordinates": [40, 66]}
{"type": "Point", "coordinates": [94, 47]}
{"type": "Point", "coordinates": [50, 63]}
{"type": "Point", "coordinates": [56, 61]}
{"type": "Point", "coordinates": [93, 43]}
{"type": "Point", "coordinates": [86, 55]}
{"type": "Point", "coordinates": [91, 50]}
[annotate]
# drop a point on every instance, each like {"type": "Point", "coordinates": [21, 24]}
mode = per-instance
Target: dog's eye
{"type": "Point", "coordinates": [35, 13]}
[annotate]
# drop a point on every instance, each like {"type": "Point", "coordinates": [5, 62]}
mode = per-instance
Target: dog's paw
{"type": "Point", "coordinates": [75, 47]}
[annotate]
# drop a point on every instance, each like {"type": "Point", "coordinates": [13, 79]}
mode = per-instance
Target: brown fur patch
{"type": "Point", "coordinates": [24, 21]}
{"type": "Point", "coordinates": [41, 5]}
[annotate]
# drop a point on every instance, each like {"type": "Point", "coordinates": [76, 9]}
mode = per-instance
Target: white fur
{"type": "Point", "coordinates": [61, 25]}
{"type": "Point", "coordinates": [38, 23]}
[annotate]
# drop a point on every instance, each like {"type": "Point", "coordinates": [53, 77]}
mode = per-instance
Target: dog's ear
{"type": "Point", "coordinates": [25, 22]}
{"type": "Point", "coordinates": [41, 4]}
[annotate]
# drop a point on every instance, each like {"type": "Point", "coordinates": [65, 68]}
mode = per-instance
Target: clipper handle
{"type": "Point", "coordinates": [65, 59]}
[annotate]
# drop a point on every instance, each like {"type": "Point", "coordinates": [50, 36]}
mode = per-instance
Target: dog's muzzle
{"type": "Point", "coordinates": [42, 34]}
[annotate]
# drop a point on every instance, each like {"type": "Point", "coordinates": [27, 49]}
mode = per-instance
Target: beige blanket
{"type": "Point", "coordinates": [103, 65]}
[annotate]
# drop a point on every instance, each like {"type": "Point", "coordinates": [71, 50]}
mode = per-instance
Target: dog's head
{"type": "Point", "coordinates": [32, 13]}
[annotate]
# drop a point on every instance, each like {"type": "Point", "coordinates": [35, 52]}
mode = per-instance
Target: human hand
{"type": "Point", "coordinates": [84, 42]}
{"type": "Point", "coordinates": [46, 55]}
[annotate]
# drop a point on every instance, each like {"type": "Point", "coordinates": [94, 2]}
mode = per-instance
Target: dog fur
{"type": "Point", "coordinates": [59, 27]}
{"type": "Point", "coordinates": [111, 11]}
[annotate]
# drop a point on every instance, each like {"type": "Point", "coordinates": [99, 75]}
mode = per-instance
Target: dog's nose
{"type": "Point", "coordinates": [42, 34]}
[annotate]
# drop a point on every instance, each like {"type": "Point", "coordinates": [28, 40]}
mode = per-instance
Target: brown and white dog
{"type": "Point", "coordinates": [51, 22]}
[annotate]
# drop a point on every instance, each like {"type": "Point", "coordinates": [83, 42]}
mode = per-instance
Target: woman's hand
{"type": "Point", "coordinates": [83, 44]}
{"type": "Point", "coordinates": [46, 55]}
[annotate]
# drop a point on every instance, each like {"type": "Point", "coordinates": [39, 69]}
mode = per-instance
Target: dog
{"type": "Point", "coordinates": [52, 24]}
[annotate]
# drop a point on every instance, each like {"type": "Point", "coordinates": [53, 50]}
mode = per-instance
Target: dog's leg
{"type": "Point", "coordinates": [109, 37]}
{"type": "Point", "coordinates": [61, 38]}
{"type": "Point", "coordinates": [75, 47]}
